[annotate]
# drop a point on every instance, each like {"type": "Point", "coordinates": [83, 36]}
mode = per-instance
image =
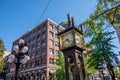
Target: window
{"type": "Point", "coordinates": [37, 53]}
{"type": "Point", "coordinates": [38, 36]}
{"type": "Point", "coordinates": [34, 39]}
{"type": "Point", "coordinates": [43, 42]}
{"type": "Point", "coordinates": [34, 32]}
{"type": "Point", "coordinates": [43, 61]}
{"type": "Point", "coordinates": [25, 36]}
{"type": "Point", "coordinates": [33, 47]}
{"type": "Point", "coordinates": [44, 26]}
{"type": "Point", "coordinates": [29, 49]}
{"type": "Point", "coordinates": [56, 29]}
{"type": "Point", "coordinates": [51, 61]}
{"type": "Point", "coordinates": [37, 63]}
{"type": "Point", "coordinates": [43, 51]}
{"type": "Point", "coordinates": [29, 42]}
{"type": "Point", "coordinates": [32, 55]}
{"type": "Point", "coordinates": [30, 34]}
{"type": "Point", "coordinates": [57, 52]}
{"type": "Point", "coordinates": [56, 36]}
{"type": "Point", "coordinates": [51, 51]}
{"type": "Point", "coordinates": [44, 34]}
{"type": "Point", "coordinates": [38, 45]}
{"type": "Point", "coordinates": [27, 65]}
{"type": "Point", "coordinates": [51, 26]}
{"type": "Point", "coordinates": [21, 67]}
{"type": "Point", "coordinates": [51, 34]}
{"type": "Point", "coordinates": [31, 64]}
{"type": "Point", "coordinates": [56, 44]}
{"type": "Point", "coordinates": [39, 29]}
{"type": "Point", "coordinates": [51, 42]}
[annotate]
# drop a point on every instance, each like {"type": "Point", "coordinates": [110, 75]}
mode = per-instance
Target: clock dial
{"type": "Point", "coordinates": [71, 38]}
{"type": "Point", "coordinates": [78, 38]}
{"type": "Point", "coordinates": [67, 39]}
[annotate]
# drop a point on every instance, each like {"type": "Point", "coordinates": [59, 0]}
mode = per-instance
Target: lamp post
{"type": "Point", "coordinates": [19, 55]}
{"type": "Point", "coordinates": [101, 69]}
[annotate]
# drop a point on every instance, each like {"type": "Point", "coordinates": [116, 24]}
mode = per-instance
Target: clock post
{"type": "Point", "coordinates": [71, 44]}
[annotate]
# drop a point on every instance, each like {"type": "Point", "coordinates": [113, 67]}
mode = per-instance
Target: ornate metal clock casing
{"type": "Point", "coordinates": [71, 37]}
{"type": "Point", "coordinates": [71, 44]}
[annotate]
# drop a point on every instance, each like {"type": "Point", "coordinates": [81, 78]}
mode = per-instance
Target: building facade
{"type": "Point", "coordinates": [43, 46]}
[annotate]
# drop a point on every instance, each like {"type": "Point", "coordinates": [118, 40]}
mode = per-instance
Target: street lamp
{"type": "Point", "coordinates": [101, 69]}
{"type": "Point", "coordinates": [19, 55]}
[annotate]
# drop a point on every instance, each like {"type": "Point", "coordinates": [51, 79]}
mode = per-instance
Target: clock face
{"type": "Point", "coordinates": [67, 39]}
{"type": "Point", "coordinates": [78, 38]}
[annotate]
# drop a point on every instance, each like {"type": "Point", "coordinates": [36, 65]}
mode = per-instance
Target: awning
{"type": "Point", "coordinates": [20, 75]}
{"type": "Point", "coordinates": [29, 74]}
{"type": "Point", "coordinates": [24, 74]}
{"type": "Point", "coordinates": [35, 73]}
{"type": "Point", "coordinates": [41, 72]}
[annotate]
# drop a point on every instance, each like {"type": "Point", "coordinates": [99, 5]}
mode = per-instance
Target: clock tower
{"type": "Point", "coordinates": [72, 46]}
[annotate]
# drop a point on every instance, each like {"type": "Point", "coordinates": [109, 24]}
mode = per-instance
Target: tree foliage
{"type": "Point", "coordinates": [2, 49]}
{"type": "Point", "coordinates": [97, 28]}
{"type": "Point", "coordinates": [60, 73]}
{"type": "Point", "coordinates": [117, 74]}
{"type": "Point", "coordinates": [89, 70]}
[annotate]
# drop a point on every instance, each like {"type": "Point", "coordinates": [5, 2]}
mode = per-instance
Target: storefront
{"type": "Point", "coordinates": [35, 75]}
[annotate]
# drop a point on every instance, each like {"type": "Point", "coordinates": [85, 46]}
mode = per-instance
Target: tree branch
{"type": "Point", "coordinates": [101, 14]}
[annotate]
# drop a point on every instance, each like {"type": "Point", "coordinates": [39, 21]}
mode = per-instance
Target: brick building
{"type": "Point", "coordinates": [43, 46]}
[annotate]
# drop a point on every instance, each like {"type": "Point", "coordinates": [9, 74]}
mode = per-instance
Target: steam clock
{"type": "Point", "coordinates": [71, 44]}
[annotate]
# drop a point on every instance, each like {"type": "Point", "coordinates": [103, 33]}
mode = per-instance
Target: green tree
{"type": "Point", "coordinates": [117, 74]}
{"type": "Point", "coordinates": [89, 70]}
{"type": "Point", "coordinates": [97, 28]}
{"type": "Point", "coordinates": [102, 52]}
{"type": "Point", "coordinates": [2, 60]}
{"type": "Point", "coordinates": [60, 73]}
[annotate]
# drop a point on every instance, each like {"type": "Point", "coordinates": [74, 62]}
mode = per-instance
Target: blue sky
{"type": "Point", "coordinates": [18, 16]}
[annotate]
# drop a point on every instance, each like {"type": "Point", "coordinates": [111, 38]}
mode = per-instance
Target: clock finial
{"type": "Point", "coordinates": [72, 22]}
{"type": "Point", "coordinates": [81, 28]}
{"type": "Point", "coordinates": [69, 20]}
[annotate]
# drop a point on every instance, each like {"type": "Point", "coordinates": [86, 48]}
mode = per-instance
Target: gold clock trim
{"type": "Point", "coordinates": [65, 44]}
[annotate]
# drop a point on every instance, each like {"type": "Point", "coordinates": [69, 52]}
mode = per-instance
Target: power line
{"type": "Point", "coordinates": [44, 11]}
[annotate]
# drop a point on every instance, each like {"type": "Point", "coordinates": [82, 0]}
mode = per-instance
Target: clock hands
{"type": "Point", "coordinates": [67, 40]}
{"type": "Point", "coordinates": [77, 39]}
